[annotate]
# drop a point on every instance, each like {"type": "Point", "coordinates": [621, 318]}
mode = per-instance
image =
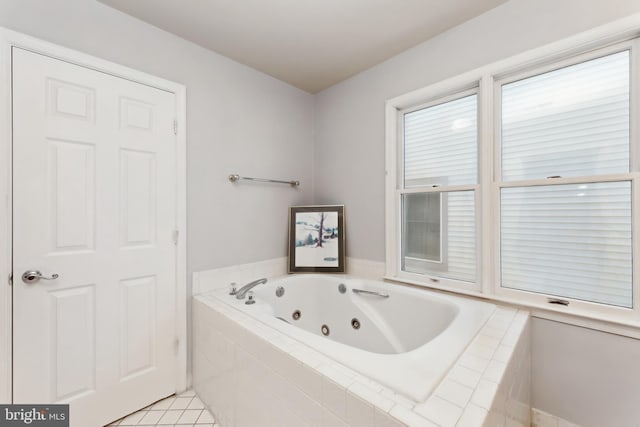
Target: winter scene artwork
{"type": "Point", "coordinates": [316, 240]}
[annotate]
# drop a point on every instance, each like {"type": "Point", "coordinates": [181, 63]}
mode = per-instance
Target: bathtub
{"type": "Point", "coordinates": [403, 338]}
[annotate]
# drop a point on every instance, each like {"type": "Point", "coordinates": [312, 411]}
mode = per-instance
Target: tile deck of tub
{"type": "Point", "coordinates": [477, 391]}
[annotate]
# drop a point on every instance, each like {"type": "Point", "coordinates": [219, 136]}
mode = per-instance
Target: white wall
{"type": "Point", "coordinates": [587, 377]}
{"type": "Point", "coordinates": [238, 121]}
{"type": "Point", "coordinates": [580, 375]}
{"type": "Point", "coordinates": [349, 121]}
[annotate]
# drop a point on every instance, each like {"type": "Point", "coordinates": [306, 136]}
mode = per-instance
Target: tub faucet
{"type": "Point", "coordinates": [246, 288]}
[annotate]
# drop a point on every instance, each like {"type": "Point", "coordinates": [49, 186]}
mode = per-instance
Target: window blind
{"type": "Point", "coordinates": [568, 240]}
{"type": "Point", "coordinates": [573, 121]}
{"type": "Point", "coordinates": [440, 143]}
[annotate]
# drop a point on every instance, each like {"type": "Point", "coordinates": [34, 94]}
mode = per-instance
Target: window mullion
{"type": "Point", "coordinates": [634, 107]}
{"type": "Point", "coordinates": [485, 211]}
{"type": "Point", "coordinates": [635, 237]}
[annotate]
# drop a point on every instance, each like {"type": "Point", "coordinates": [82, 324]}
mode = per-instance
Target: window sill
{"type": "Point", "coordinates": [568, 315]}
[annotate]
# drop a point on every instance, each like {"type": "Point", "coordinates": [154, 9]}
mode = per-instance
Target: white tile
{"type": "Point", "coordinates": [299, 402]}
{"type": "Point", "coordinates": [336, 375]}
{"type": "Point", "coordinates": [334, 397]}
{"type": "Point", "coordinates": [163, 404]}
{"type": "Point", "coordinates": [311, 411]}
{"type": "Point", "coordinates": [205, 418]}
{"type": "Point", "coordinates": [504, 314]}
{"type": "Point", "coordinates": [368, 382]}
{"type": "Point", "coordinates": [465, 376]}
{"type": "Point", "coordinates": [471, 361]}
{"type": "Point", "coordinates": [472, 416]}
{"type": "Point", "coordinates": [132, 419]}
{"type": "Point", "coordinates": [493, 332]}
{"type": "Point", "coordinates": [440, 411]}
{"type": "Point", "coordinates": [409, 417]}
{"type": "Point", "coordinates": [484, 394]}
{"type": "Point", "coordinates": [359, 412]}
{"type": "Point", "coordinates": [181, 403]}
{"type": "Point", "coordinates": [495, 371]}
{"type": "Point", "coordinates": [384, 419]}
{"type": "Point", "coordinates": [480, 350]}
{"type": "Point", "coordinates": [196, 403]}
{"type": "Point", "coordinates": [398, 398]}
{"type": "Point", "coordinates": [454, 392]}
{"type": "Point", "coordinates": [520, 320]}
{"type": "Point", "coordinates": [307, 379]}
{"type": "Point", "coordinates": [498, 324]}
{"type": "Point", "coordinates": [372, 397]}
{"type": "Point", "coordinates": [282, 416]}
{"type": "Point", "coordinates": [170, 417]}
{"type": "Point", "coordinates": [190, 416]}
{"type": "Point", "coordinates": [329, 419]}
{"type": "Point", "coordinates": [510, 339]}
{"type": "Point", "coordinates": [487, 340]}
{"type": "Point", "coordinates": [306, 357]}
{"type": "Point", "coordinates": [503, 353]}
{"type": "Point", "coordinates": [151, 418]}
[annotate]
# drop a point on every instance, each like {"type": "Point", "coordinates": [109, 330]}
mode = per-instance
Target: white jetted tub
{"type": "Point", "coordinates": [406, 339]}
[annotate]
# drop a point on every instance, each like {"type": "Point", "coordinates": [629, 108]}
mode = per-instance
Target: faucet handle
{"type": "Point", "coordinates": [250, 299]}
{"type": "Point", "coordinates": [232, 288]}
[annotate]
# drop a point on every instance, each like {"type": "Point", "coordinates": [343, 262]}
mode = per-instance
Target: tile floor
{"type": "Point", "coordinates": [182, 410]}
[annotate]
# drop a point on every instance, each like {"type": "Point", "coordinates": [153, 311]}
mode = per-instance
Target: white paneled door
{"type": "Point", "coordinates": [94, 211]}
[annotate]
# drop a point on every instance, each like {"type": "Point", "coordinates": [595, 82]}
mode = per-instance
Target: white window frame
{"type": "Point", "coordinates": [438, 97]}
{"type": "Point", "coordinates": [531, 298]}
{"type": "Point", "coordinates": [620, 35]}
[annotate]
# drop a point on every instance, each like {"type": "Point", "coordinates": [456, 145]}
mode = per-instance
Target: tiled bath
{"type": "Point", "coordinates": [249, 374]}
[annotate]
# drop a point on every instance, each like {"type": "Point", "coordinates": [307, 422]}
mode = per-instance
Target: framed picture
{"type": "Point", "coordinates": [316, 239]}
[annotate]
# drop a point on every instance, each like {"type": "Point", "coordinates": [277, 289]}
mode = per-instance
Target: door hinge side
{"type": "Point", "coordinates": [176, 236]}
{"type": "Point", "coordinates": [176, 345]}
{"type": "Point", "coordinates": [11, 279]}
{"type": "Point", "coordinates": [175, 126]}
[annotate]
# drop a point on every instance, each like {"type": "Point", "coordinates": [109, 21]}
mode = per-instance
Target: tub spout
{"type": "Point", "coordinates": [246, 288]}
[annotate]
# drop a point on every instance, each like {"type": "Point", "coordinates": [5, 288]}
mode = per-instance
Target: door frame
{"type": "Point", "coordinates": [8, 40]}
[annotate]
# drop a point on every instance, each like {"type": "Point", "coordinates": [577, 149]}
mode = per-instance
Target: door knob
{"type": "Point", "coordinates": [33, 276]}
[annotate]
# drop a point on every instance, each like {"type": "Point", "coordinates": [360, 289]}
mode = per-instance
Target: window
{"type": "Point", "coordinates": [522, 185]}
{"type": "Point", "coordinates": [440, 141]}
{"type": "Point", "coordinates": [568, 240]}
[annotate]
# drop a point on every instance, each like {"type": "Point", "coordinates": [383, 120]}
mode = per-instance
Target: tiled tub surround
{"type": "Point", "coordinates": [405, 338]}
{"type": "Point", "coordinates": [251, 374]}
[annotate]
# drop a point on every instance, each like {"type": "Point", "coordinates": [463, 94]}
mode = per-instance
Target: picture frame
{"type": "Point", "coordinates": [316, 239]}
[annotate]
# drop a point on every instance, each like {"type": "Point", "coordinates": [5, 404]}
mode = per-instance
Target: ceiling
{"type": "Point", "coordinates": [311, 44]}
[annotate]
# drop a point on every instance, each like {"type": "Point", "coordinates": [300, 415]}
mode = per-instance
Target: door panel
{"type": "Point", "coordinates": [95, 202]}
